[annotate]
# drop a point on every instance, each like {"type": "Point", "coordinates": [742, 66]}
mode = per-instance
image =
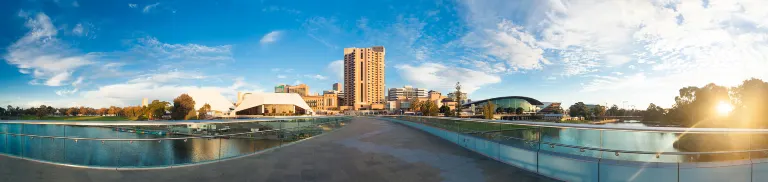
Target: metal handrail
{"type": "Point", "coordinates": [608, 127]}
{"type": "Point", "coordinates": [598, 149]}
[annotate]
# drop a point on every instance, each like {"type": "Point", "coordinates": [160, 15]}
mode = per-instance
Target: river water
{"type": "Point", "coordinates": [137, 153]}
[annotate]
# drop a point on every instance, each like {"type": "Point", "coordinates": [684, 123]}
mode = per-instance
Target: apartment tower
{"type": "Point", "coordinates": [364, 77]}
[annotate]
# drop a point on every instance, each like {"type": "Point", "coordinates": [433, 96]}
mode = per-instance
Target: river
{"type": "Point", "coordinates": [130, 153]}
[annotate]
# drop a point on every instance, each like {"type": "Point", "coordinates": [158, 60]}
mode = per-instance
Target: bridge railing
{"type": "Point", "coordinates": [578, 152]}
{"type": "Point", "coordinates": [164, 144]}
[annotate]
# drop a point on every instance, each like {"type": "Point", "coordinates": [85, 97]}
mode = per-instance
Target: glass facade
{"type": "Point", "coordinates": [513, 103]}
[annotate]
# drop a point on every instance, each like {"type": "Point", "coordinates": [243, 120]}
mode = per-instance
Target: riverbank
{"type": "Point", "coordinates": [78, 118]}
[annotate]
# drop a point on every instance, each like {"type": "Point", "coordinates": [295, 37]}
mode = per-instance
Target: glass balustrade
{"type": "Point", "coordinates": [155, 144]}
{"type": "Point", "coordinates": [574, 152]}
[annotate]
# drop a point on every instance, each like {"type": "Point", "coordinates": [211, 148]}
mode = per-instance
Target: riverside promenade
{"type": "Point", "coordinates": [365, 150]}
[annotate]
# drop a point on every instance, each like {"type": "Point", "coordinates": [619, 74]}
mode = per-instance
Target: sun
{"type": "Point", "coordinates": [724, 108]}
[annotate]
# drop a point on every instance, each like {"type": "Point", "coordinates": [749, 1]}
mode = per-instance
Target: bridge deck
{"type": "Point", "coordinates": [366, 150]}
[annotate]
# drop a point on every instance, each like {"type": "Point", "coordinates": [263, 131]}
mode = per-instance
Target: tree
{"type": "Point", "coordinates": [445, 109]}
{"type": "Point", "coordinates": [458, 98]}
{"type": "Point", "coordinates": [202, 113]}
{"type": "Point", "coordinates": [613, 111]}
{"type": "Point", "coordinates": [653, 113]}
{"type": "Point", "coordinates": [82, 111]}
{"type": "Point", "coordinates": [519, 111]}
{"type": "Point", "coordinates": [182, 107]}
{"type": "Point", "coordinates": [41, 112]}
{"type": "Point", "coordinates": [488, 110]}
{"type": "Point", "coordinates": [500, 110]}
{"type": "Point", "coordinates": [3, 112]}
{"type": "Point", "coordinates": [578, 109]}
{"type": "Point", "coordinates": [558, 110]}
{"type": "Point", "coordinates": [429, 109]}
{"type": "Point", "coordinates": [599, 110]}
{"type": "Point", "coordinates": [416, 105]}
{"type": "Point", "coordinates": [156, 109]}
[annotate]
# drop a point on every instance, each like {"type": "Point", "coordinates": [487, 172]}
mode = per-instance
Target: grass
{"type": "Point", "coordinates": [78, 118]}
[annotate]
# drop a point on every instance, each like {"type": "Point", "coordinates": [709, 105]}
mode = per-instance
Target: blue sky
{"type": "Point", "coordinates": [624, 52]}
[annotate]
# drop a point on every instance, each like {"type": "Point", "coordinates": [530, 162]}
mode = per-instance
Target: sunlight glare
{"type": "Point", "coordinates": [724, 108]}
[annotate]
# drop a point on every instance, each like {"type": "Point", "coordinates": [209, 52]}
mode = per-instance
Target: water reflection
{"type": "Point", "coordinates": [143, 153]}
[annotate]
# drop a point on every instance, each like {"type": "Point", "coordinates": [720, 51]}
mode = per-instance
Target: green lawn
{"type": "Point", "coordinates": [78, 118]}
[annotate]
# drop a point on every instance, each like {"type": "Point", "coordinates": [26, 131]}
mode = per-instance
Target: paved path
{"type": "Point", "coordinates": [366, 150]}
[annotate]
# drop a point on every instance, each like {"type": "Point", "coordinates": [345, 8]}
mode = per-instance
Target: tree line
{"type": "Point", "coordinates": [182, 108]}
{"type": "Point", "coordinates": [580, 109]}
{"type": "Point", "coordinates": [698, 106]}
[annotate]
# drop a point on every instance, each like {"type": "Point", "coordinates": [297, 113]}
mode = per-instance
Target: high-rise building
{"type": "Point", "coordinates": [301, 89]}
{"type": "Point", "coordinates": [408, 92]}
{"type": "Point", "coordinates": [364, 77]}
{"type": "Point", "coordinates": [145, 102]}
{"type": "Point", "coordinates": [337, 87]}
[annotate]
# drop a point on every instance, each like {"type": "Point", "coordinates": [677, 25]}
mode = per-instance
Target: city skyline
{"type": "Point", "coordinates": [76, 53]}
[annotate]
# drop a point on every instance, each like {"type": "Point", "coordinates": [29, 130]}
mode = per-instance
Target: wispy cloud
{"type": "Point", "coordinates": [271, 37]}
{"type": "Point", "coordinates": [133, 5]}
{"type": "Point", "coordinates": [316, 77]}
{"type": "Point", "coordinates": [336, 68]}
{"type": "Point", "coordinates": [45, 57]}
{"type": "Point", "coordinates": [440, 77]}
{"type": "Point", "coordinates": [149, 7]}
{"type": "Point", "coordinates": [280, 9]}
{"type": "Point", "coordinates": [152, 47]}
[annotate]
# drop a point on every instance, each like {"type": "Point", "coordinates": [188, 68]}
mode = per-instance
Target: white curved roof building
{"type": "Point", "coordinates": [265, 103]}
{"type": "Point", "coordinates": [212, 97]}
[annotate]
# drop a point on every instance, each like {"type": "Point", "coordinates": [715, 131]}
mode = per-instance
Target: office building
{"type": "Point", "coordinates": [337, 87]}
{"type": "Point", "coordinates": [408, 92]}
{"type": "Point", "coordinates": [301, 89]}
{"type": "Point", "coordinates": [364, 78]}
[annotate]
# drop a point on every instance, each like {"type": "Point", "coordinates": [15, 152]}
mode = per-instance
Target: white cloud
{"type": "Point", "coordinates": [316, 77]}
{"type": "Point", "coordinates": [149, 7]}
{"type": "Point", "coordinates": [152, 47]}
{"type": "Point", "coordinates": [167, 77]}
{"type": "Point", "coordinates": [509, 43]}
{"type": "Point", "coordinates": [672, 43]}
{"type": "Point", "coordinates": [41, 54]}
{"type": "Point", "coordinates": [336, 68]}
{"type": "Point", "coordinates": [65, 92]}
{"type": "Point", "coordinates": [271, 37]}
{"type": "Point", "coordinates": [437, 76]}
{"type": "Point", "coordinates": [239, 83]}
{"type": "Point", "coordinates": [78, 30]}
{"type": "Point", "coordinates": [132, 5]}
{"type": "Point", "coordinates": [156, 86]}
{"type": "Point", "coordinates": [281, 76]}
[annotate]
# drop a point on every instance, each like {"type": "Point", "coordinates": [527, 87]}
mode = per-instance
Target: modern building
{"type": "Point", "coordinates": [463, 100]}
{"type": "Point", "coordinates": [364, 78]}
{"type": "Point", "coordinates": [529, 105]}
{"type": "Point", "coordinates": [337, 87]}
{"type": "Point", "coordinates": [408, 92]}
{"type": "Point", "coordinates": [301, 89]}
{"type": "Point", "coordinates": [220, 105]}
{"type": "Point", "coordinates": [272, 104]}
{"type": "Point", "coordinates": [550, 107]}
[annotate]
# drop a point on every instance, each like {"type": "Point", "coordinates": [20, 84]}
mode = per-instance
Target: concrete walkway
{"type": "Point", "coordinates": [366, 150]}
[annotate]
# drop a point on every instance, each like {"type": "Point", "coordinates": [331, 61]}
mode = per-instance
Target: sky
{"type": "Point", "coordinates": [626, 52]}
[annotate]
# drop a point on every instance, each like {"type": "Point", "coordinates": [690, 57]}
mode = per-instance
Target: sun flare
{"type": "Point", "coordinates": [724, 108]}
